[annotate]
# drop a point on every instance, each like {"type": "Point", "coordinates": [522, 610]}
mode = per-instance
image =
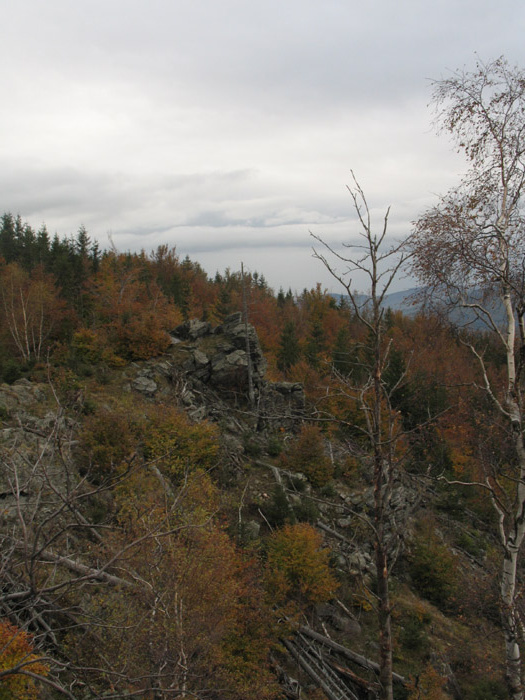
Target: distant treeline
{"type": "Point", "coordinates": [126, 302]}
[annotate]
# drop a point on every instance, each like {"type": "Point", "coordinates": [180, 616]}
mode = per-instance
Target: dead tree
{"type": "Point", "coordinates": [380, 264]}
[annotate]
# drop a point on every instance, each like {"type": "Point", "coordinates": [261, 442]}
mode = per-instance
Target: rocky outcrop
{"type": "Point", "coordinates": [20, 395]}
{"type": "Point", "coordinates": [280, 404]}
{"type": "Point", "coordinates": [292, 393]}
{"type": "Point", "coordinates": [218, 356]}
{"type": "Point", "coordinates": [208, 365]}
{"type": "Point", "coordinates": [35, 440]}
{"type": "Point", "coordinates": [191, 330]}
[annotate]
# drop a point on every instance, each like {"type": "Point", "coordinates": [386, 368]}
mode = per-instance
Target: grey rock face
{"type": "Point", "coordinates": [251, 530]}
{"type": "Point", "coordinates": [292, 390]}
{"type": "Point", "coordinates": [223, 362]}
{"type": "Point", "coordinates": [144, 385]}
{"type": "Point", "coordinates": [284, 400]}
{"type": "Point", "coordinates": [32, 469]}
{"type": "Point", "coordinates": [338, 619]}
{"type": "Point", "coordinates": [20, 394]}
{"type": "Point", "coordinates": [191, 330]}
{"type": "Point", "coordinates": [231, 321]}
{"type": "Point", "coordinates": [357, 563]}
{"type": "Point", "coordinates": [207, 364]}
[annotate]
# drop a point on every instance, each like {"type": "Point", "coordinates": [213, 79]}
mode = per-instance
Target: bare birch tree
{"type": "Point", "coordinates": [470, 253]}
{"type": "Point", "coordinates": [379, 263]}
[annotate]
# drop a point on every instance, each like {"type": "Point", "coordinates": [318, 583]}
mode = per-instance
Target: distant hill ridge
{"type": "Point", "coordinates": [404, 301]}
{"type": "Point", "coordinates": [409, 302]}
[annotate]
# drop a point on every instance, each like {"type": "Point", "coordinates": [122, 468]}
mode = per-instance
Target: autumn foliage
{"type": "Point", "coordinates": [198, 620]}
{"type": "Point", "coordinates": [31, 311]}
{"type": "Point", "coordinates": [132, 314]}
{"type": "Point", "coordinates": [298, 566]}
{"type": "Point", "coordinates": [306, 454]}
{"type": "Point", "coordinates": [191, 612]}
{"type": "Point", "coordinates": [177, 445]}
{"type": "Point", "coordinates": [17, 655]}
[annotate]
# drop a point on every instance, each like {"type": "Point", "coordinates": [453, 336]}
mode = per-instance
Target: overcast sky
{"type": "Point", "coordinates": [228, 128]}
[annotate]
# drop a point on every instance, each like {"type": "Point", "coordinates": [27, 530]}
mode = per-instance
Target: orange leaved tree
{"type": "Point", "coordinates": [20, 666]}
{"type": "Point", "coordinates": [128, 308]}
{"type": "Point", "coordinates": [31, 310]}
{"type": "Point", "coordinates": [298, 566]}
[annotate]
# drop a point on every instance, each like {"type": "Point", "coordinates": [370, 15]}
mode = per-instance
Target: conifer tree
{"type": "Point", "coordinates": [8, 243]}
{"type": "Point", "coordinates": [223, 306]}
{"type": "Point", "coordinates": [343, 353]}
{"type": "Point", "coordinates": [315, 344]}
{"type": "Point", "coordinates": [289, 349]}
{"type": "Point", "coordinates": [43, 245]}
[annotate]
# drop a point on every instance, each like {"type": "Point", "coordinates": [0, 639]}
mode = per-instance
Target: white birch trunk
{"type": "Point", "coordinates": [510, 623]}
{"type": "Point", "coordinates": [514, 534]}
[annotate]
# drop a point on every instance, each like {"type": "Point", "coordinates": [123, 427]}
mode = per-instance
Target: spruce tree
{"type": "Point", "coordinates": [289, 350]}
{"type": "Point", "coordinates": [343, 353]}
{"type": "Point", "coordinates": [315, 344]}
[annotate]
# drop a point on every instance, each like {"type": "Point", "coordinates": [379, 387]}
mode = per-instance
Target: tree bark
{"type": "Point", "coordinates": [510, 623]}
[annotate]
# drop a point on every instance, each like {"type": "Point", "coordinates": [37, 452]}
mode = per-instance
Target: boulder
{"type": "Point", "coordinates": [144, 385]}
{"type": "Point", "coordinates": [218, 356]}
{"type": "Point", "coordinates": [21, 394]}
{"type": "Point", "coordinates": [230, 370]}
{"type": "Point", "coordinates": [191, 330]}
{"type": "Point", "coordinates": [338, 619]}
{"type": "Point", "coordinates": [251, 530]}
{"type": "Point", "coordinates": [357, 563]}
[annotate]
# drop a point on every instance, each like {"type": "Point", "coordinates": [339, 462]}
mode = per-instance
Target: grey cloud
{"type": "Point", "coordinates": [149, 206]}
{"type": "Point", "coordinates": [280, 55]}
{"type": "Point", "coordinates": [61, 192]}
{"type": "Point", "coordinates": [231, 126]}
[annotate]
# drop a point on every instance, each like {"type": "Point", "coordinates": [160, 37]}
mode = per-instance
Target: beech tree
{"type": "Point", "coordinates": [469, 252]}
{"type": "Point", "coordinates": [298, 566]}
{"type": "Point", "coordinates": [129, 309]}
{"type": "Point", "coordinates": [16, 657]}
{"type": "Point", "coordinates": [380, 430]}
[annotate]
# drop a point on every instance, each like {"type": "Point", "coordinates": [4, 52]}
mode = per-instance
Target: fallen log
{"type": "Point", "coordinates": [348, 653]}
{"type": "Point", "coordinates": [369, 686]}
{"type": "Point", "coordinates": [339, 694]}
{"type": "Point", "coordinates": [84, 571]}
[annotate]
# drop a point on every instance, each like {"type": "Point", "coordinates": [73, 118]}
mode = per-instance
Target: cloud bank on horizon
{"type": "Point", "coordinates": [229, 129]}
